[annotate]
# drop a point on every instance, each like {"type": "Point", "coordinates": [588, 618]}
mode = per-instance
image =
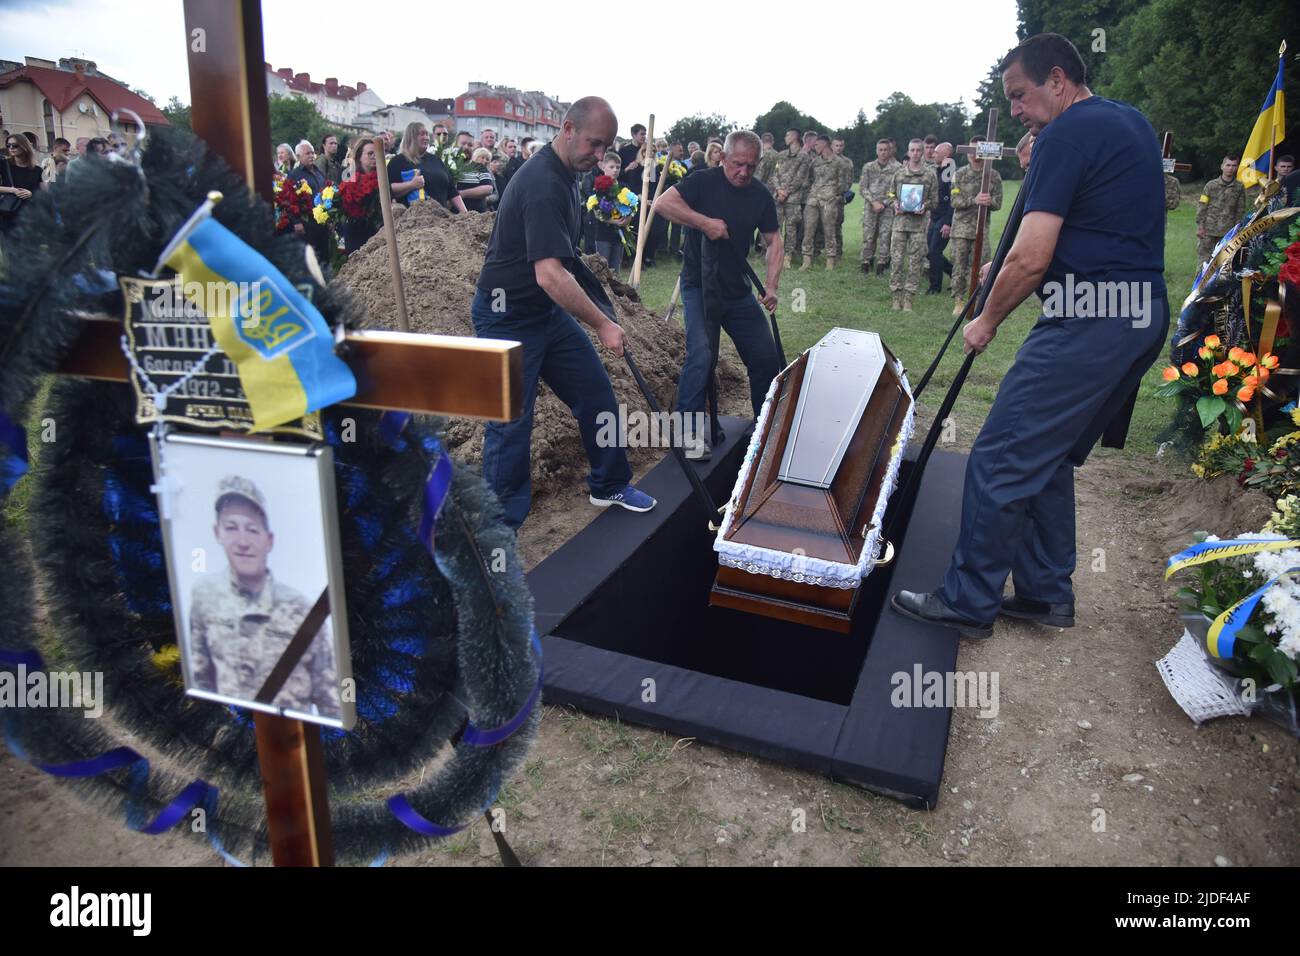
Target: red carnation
{"type": "Point", "coordinates": [603, 183]}
{"type": "Point", "coordinates": [1290, 272]}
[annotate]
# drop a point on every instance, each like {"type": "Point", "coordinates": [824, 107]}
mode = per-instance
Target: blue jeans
{"type": "Point", "coordinates": [611, 252]}
{"type": "Point", "coordinates": [1070, 378]}
{"type": "Point", "coordinates": [557, 350]}
{"type": "Point", "coordinates": [748, 327]}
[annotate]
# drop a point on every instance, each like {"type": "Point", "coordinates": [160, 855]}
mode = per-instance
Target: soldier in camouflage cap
{"type": "Point", "coordinates": [877, 208]}
{"type": "Point", "coordinates": [907, 249]}
{"type": "Point", "coordinates": [966, 202]}
{"type": "Point", "coordinates": [242, 619]}
{"type": "Point", "coordinates": [823, 205]}
{"type": "Point", "coordinates": [767, 163]}
{"type": "Point", "coordinates": [790, 176]}
{"type": "Point", "coordinates": [1220, 207]}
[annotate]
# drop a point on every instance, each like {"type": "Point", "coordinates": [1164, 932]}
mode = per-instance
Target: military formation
{"type": "Point", "coordinates": [812, 181]}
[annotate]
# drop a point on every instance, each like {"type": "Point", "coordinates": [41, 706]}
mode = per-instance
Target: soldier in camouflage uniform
{"type": "Point", "coordinates": [790, 176]}
{"type": "Point", "coordinates": [1173, 193]}
{"type": "Point", "coordinates": [242, 619]}
{"type": "Point", "coordinates": [966, 201]}
{"type": "Point", "coordinates": [823, 204]}
{"type": "Point", "coordinates": [767, 164]}
{"type": "Point", "coordinates": [846, 183]}
{"type": "Point", "coordinates": [907, 249]}
{"type": "Point", "coordinates": [1220, 207]}
{"type": "Point", "coordinates": [877, 208]}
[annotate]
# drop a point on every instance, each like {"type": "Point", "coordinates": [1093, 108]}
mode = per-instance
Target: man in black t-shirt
{"type": "Point", "coordinates": [527, 291]}
{"type": "Point", "coordinates": [722, 207]}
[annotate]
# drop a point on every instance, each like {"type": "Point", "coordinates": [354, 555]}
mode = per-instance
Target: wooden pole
{"type": "Point", "coordinates": [390, 237]}
{"type": "Point", "coordinates": [641, 213]}
{"type": "Point", "coordinates": [229, 111]}
{"type": "Point", "coordinates": [672, 303]}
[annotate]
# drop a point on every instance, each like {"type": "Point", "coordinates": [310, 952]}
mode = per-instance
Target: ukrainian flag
{"type": "Point", "coordinates": [1269, 130]}
{"type": "Point", "coordinates": [279, 342]}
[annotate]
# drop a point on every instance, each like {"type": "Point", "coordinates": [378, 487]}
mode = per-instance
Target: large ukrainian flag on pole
{"type": "Point", "coordinates": [278, 340]}
{"type": "Point", "coordinates": [1270, 129]}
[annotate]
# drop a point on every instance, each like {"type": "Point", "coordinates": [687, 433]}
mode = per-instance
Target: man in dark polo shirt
{"type": "Point", "coordinates": [1093, 229]}
{"type": "Point", "coordinates": [722, 207]}
{"type": "Point", "coordinates": [527, 292]}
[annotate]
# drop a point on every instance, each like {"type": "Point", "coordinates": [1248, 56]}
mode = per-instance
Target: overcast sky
{"type": "Point", "coordinates": [682, 67]}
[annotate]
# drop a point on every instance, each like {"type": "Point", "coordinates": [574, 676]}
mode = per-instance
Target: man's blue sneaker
{"type": "Point", "coordinates": [627, 497]}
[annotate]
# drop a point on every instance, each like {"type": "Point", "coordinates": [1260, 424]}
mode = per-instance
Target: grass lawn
{"type": "Point", "coordinates": [847, 298]}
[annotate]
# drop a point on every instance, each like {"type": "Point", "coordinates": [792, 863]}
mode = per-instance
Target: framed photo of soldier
{"type": "Point", "coordinates": [250, 531]}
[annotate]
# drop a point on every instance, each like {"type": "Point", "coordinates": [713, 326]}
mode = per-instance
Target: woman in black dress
{"type": "Point", "coordinates": [20, 177]}
{"type": "Point", "coordinates": [414, 169]}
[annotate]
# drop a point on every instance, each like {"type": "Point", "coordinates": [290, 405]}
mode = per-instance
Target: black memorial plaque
{"type": "Point", "coordinates": [171, 339]}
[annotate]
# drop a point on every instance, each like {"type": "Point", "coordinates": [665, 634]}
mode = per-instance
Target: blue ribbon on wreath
{"type": "Point", "coordinates": [13, 453]}
{"type": "Point", "coordinates": [436, 488]}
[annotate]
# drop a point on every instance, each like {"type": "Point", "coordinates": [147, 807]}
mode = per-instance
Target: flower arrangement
{"type": "Point", "coordinates": [358, 199]}
{"type": "Point", "coordinates": [293, 203]}
{"type": "Point", "coordinates": [454, 159]}
{"type": "Point", "coordinates": [325, 204]}
{"type": "Point", "coordinates": [613, 204]}
{"type": "Point", "coordinates": [1282, 261]}
{"type": "Point", "coordinates": [1267, 646]}
{"type": "Point", "coordinates": [673, 169]}
{"type": "Point", "coordinates": [1234, 454]}
{"type": "Point", "coordinates": [1224, 379]}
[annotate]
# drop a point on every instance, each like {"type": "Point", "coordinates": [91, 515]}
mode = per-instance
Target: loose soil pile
{"type": "Point", "coordinates": [441, 255]}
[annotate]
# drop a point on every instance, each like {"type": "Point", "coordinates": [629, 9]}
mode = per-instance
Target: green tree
{"type": "Point", "coordinates": [781, 117]}
{"type": "Point", "coordinates": [1089, 24]}
{"type": "Point", "coordinates": [178, 114]}
{"type": "Point", "coordinates": [859, 140]}
{"type": "Point", "coordinates": [294, 119]}
{"type": "Point", "coordinates": [1201, 71]}
{"type": "Point", "coordinates": [900, 117]}
{"type": "Point", "coordinates": [699, 128]}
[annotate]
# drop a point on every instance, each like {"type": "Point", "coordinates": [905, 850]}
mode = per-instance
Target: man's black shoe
{"type": "Point", "coordinates": [1040, 612]}
{"type": "Point", "coordinates": [927, 607]}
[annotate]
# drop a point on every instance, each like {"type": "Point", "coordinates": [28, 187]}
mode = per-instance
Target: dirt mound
{"type": "Point", "coordinates": [1183, 506]}
{"type": "Point", "coordinates": [441, 255]}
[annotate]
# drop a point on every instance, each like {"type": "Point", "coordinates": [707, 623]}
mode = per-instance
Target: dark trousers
{"type": "Point", "coordinates": [748, 327]}
{"type": "Point", "coordinates": [1069, 379]}
{"type": "Point", "coordinates": [936, 243]}
{"type": "Point", "coordinates": [557, 351]}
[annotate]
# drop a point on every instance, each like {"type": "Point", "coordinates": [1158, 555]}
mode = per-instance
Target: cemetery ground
{"type": "Point", "coordinates": [1088, 760]}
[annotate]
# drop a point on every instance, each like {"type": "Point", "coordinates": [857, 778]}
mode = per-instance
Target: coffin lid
{"type": "Point", "coordinates": [830, 404]}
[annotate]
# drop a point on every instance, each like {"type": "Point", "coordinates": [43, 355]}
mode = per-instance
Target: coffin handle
{"type": "Point", "coordinates": [887, 556]}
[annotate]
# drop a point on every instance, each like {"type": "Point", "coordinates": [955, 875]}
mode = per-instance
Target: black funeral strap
{"type": "Point", "coordinates": [980, 294]}
{"type": "Point", "coordinates": [595, 290]}
{"type": "Point", "coordinates": [692, 476]}
{"type": "Point", "coordinates": [297, 647]}
{"type": "Point", "coordinates": [908, 494]}
{"type": "Point", "coordinates": [762, 294]}
{"type": "Point", "coordinates": [507, 855]}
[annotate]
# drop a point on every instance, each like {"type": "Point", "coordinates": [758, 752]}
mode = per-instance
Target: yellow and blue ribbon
{"type": "Point", "coordinates": [1222, 636]}
{"type": "Point", "coordinates": [13, 453]}
{"type": "Point", "coordinates": [1208, 551]}
{"type": "Point", "coordinates": [279, 342]}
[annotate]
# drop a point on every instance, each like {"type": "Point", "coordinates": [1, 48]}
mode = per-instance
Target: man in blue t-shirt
{"type": "Point", "coordinates": [721, 207]}
{"type": "Point", "coordinates": [527, 291]}
{"type": "Point", "coordinates": [1092, 245]}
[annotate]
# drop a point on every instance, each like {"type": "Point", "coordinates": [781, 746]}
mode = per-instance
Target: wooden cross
{"type": "Point", "coordinates": [1167, 156]}
{"type": "Point", "coordinates": [447, 375]}
{"type": "Point", "coordinates": [988, 151]}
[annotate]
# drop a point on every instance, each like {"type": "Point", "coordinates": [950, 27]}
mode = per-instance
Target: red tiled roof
{"type": "Point", "coordinates": [62, 87]}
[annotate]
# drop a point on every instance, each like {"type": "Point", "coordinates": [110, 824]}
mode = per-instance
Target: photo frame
{"type": "Point", "coordinates": [911, 197]}
{"type": "Point", "coordinates": [251, 537]}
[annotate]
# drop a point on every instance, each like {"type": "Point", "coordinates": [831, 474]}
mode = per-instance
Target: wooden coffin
{"type": "Point", "coordinates": [802, 528]}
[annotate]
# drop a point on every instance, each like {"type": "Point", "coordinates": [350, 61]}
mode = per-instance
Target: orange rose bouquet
{"type": "Point", "coordinates": [1223, 380]}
